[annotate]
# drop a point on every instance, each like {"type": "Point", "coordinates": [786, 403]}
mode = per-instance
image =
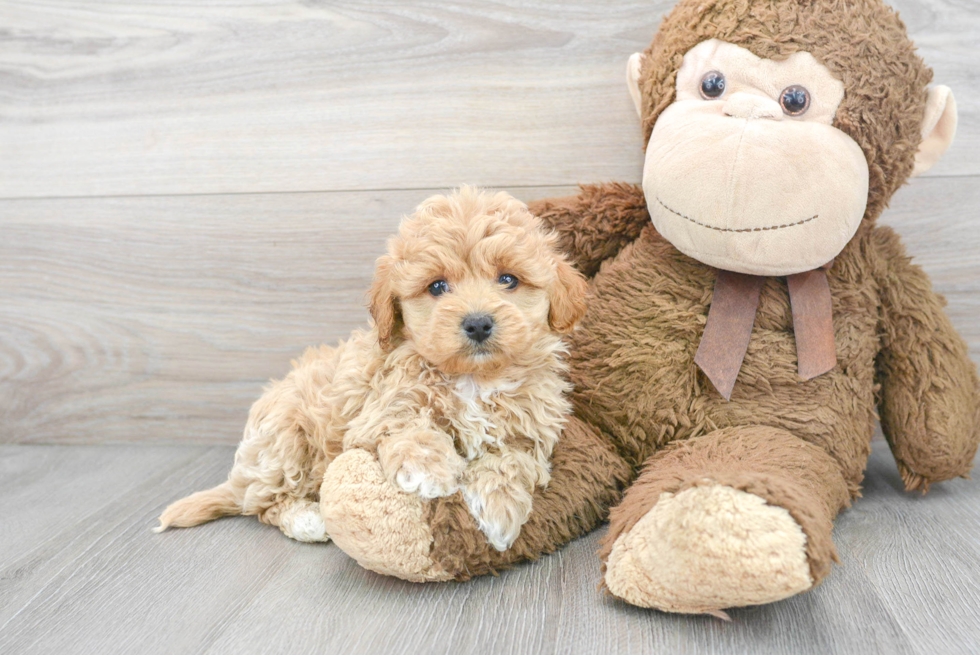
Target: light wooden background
{"type": "Point", "coordinates": [191, 192]}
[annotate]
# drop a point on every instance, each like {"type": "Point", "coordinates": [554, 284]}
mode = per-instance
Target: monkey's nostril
{"type": "Point", "coordinates": [751, 106]}
{"type": "Point", "coordinates": [478, 327]}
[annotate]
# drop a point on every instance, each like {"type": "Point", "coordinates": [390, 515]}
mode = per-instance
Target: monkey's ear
{"type": "Point", "coordinates": [383, 304]}
{"type": "Point", "coordinates": [938, 128]}
{"type": "Point", "coordinates": [633, 81]}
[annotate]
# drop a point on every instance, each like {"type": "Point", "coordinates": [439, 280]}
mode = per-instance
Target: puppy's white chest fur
{"type": "Point", "coordinates": [474, 423]}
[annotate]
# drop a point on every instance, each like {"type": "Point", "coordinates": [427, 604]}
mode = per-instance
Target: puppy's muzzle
{"type": "Point", "coordinates": [477, 327]}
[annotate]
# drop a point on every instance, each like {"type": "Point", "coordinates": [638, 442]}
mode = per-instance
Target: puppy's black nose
{"type": "Point", "coordinates": [478, 327]}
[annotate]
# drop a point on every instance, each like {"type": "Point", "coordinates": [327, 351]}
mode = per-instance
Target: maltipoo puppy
{"type": "Point", "coordinates": [458, 386]}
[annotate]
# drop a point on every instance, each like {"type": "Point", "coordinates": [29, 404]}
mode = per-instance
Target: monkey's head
{"type": "Point", "coordinates": [775, 127]}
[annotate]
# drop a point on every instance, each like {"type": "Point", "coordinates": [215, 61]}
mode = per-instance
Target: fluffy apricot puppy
{"type": "Point", "coordinates": [458, 387]}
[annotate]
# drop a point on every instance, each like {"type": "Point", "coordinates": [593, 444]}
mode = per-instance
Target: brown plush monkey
{"type": "Point", "coordinates": [749, 264]}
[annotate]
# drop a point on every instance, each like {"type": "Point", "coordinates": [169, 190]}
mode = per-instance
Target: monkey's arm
{"type": "Point", "coordinates": [597, 223]}
{"type": "Point", "coordinates": [930, 398]}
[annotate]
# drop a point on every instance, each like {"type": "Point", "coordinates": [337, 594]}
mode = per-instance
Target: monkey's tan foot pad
{"type": "Point", "coordinates": [380, 526]}
{"type": "Point", "coordinates": [708, 548]}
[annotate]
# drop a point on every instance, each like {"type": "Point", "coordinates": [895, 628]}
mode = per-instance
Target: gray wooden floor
{"type": "Point", "coordinates": [82, 572]}
{"type": "Point", "coordinates": [192, 192]}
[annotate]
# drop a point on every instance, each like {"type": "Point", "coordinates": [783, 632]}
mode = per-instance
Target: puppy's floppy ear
{"type": "Point", "coordinates": [567, 297]}
{"type": "Point", "coordinates": [382, 302]}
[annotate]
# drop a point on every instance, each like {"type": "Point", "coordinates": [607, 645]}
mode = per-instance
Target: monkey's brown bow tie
{"type": "Point", "coordinates": [732, 314]}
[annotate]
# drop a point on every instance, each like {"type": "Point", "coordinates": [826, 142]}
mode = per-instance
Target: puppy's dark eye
{"type": "Point", "coordinates": [712, 85]}
{"type": "Point", "coordinates": [438, 288]}
{"type": "Point", "coordinates": [509, 281]}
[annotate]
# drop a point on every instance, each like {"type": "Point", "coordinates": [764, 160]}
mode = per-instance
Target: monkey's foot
{"type": "Point", "coordinates": [377, 524]}
{"type": "Point", "coordinates": [708, 548]}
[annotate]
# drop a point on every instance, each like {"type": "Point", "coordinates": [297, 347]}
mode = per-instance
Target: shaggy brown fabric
{"type": "Point", "coordinates": [800, 445]}
{"type": "Point", "coordinates": [597, 223]}
{"type": "Point", "coordinates": [767, 462]}
{"type": "Point", "coordinates": [931, 419]}
{"type": "Point", "coordinates": [633, 358]}
{"type": "Point", "coordinates": [587, 478]}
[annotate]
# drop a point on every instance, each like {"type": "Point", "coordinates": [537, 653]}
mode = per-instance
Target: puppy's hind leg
{"type": "Point", "coordinates": [278, 467]}
{"type": "Point", "coordinates": [298, 518]}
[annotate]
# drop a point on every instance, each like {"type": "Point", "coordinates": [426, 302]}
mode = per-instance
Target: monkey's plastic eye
{"type": "Point", "coordinates": [794, 100]}
{"type": "Point", "coordinates": [712, 85]}
{"type": "Point", "coordinates": [438, 288]}
{"type": "Point", "coordinates": [509, 281]}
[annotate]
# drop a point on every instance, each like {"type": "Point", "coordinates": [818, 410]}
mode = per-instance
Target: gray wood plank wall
{"type": "Point", "coordinates": [191, 193]}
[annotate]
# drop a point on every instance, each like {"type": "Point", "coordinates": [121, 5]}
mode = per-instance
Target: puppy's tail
{"type": "Point", "coordinates": [201, 507]}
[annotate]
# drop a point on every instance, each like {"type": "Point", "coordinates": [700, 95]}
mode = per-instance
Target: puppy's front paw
{"type": "Point", "coordinates": [418, 469]}
{"type": "Point", "coordinates": [501, 508]}
{"type": "Point", "coordinates": [411, 478]}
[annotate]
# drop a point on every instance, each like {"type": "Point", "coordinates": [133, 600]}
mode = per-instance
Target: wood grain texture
{"type": "Point", "coordinates": [128, 97]}
{"type": "Point", "coordinates": [138, 305]}
{"type": "Point", "coordinates": [937, 220]}
{"type": "Point", "coordinates": [96, 580]}
{"type": "Point", "coordinates": [158, 319]}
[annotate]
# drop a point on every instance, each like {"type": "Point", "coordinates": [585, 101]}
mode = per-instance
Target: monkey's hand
{"type": "Point", "coordinates": [597, 223]}
{"type": "Point", "coordinates": [930, 398]}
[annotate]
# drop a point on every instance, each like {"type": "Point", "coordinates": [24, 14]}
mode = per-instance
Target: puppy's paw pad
{"type": "Point", "coordinates": [501, 537]}
{"type": "Point", "coordinates": [427, 472]}
{"type": "Point", "coordinates": [500, 516]}
{"type": "Point", "coordinates": [304, 525]}
{"type": "Point", "coordinates": [415, 480]}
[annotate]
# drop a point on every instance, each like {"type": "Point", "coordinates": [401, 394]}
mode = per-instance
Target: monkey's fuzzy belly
{"type": "Point", "coordinates": [635, 378]}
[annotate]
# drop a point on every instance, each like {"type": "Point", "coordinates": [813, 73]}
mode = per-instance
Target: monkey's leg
{"type": "Point", "coordinates": [403, 535]}
{"type": "Point", "coordinates": [741, 516]}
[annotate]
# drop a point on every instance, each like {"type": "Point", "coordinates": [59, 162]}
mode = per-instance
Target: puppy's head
{"type": "Point", "coordinates": [474, 281]}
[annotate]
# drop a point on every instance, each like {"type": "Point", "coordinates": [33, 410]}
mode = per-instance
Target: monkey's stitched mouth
{"type": "Point", "coordinates": [730, 229]}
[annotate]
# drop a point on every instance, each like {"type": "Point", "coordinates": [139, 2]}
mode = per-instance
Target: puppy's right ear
{"type": "Point", "coordinates": [567, 297]}
{"type": "Point", "coordinates": [382, 302]}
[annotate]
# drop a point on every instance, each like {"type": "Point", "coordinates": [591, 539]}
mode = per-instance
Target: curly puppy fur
{"type": "Point", "coordinates": [442, 412]}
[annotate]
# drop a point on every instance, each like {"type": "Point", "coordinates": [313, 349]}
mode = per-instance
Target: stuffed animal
{"type": "Point", "coordinates": [748, 321]}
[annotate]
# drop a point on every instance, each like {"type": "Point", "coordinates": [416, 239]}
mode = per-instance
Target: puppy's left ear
{"type": "Point", "coordinates": [383, 304]}
{"type": "Point", "coordinates": [567, 298]}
